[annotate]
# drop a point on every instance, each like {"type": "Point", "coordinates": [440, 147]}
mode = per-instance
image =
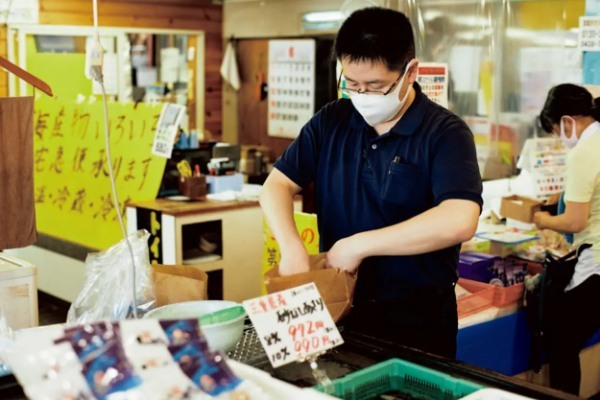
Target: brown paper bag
{"type": "Point", "coordinates": [178, 283]}
{"type": "Point", "coordinates": [336, 287]}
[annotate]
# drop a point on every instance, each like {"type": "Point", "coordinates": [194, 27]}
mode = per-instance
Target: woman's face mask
{"type": "Point", "coordinates": [568, 141]}
{"type": "Point", "coordinates": [376, 109]}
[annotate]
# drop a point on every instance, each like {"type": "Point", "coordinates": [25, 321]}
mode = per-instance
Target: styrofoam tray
{"type": "Point", "coordinates": [494, 394]}
{"type": "Point", "coordinates": [275, 387]}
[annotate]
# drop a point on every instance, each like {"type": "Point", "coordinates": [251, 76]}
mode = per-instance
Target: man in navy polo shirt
{"type": "Point", "coordinates": [397, 188]}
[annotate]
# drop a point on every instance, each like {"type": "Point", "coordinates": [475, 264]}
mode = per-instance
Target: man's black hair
{"type": "Point", "coordinates": [568, 99]}
{"type": "Point", "coordinates": [376, 34]}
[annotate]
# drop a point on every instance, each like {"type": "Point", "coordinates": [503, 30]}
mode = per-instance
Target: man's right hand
{"type": "Point", "coordinates": [294, 262]}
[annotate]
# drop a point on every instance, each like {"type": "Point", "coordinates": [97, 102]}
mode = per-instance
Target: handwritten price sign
{"type": "Point", "coordinates": [293, 324]}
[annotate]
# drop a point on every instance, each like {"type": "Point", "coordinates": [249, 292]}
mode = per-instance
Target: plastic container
{"type": "Point", "coordinates": [275, 388]}
{"type": "Point", "coordinates": [218, 184]}
{"type": "Point", "coordinates": [221, 336]}
{"type": "Point", "coordinates": [476, 266]}
{"type": "Point", "coordinates": [395, 375]}
{"type": "Point", "coordinates": [481, 297]}
{"type": "Point", "coordinates": [504, 296]}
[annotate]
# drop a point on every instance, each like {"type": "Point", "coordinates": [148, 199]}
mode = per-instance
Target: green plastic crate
{"type": "Point", "coordinates": [395, 375]}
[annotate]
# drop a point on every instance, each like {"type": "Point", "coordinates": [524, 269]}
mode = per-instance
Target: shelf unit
{"type": "Point", "coordinates": [224, 238]}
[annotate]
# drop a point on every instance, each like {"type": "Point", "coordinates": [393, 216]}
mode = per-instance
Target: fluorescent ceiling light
{"type": "Point", "coordinates": [468, 20]}
{"type": "Point", "coordinates": [432, 14]}
{"type": "Point", "coordinates": [324, 16]}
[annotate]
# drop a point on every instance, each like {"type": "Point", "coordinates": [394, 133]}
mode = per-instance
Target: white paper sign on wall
{"type": "Point", "coordinates": [589, 33]}
{"type": "Point", "coordinates": [167, 128]}
{"type": "Point", "coordinates": [291, 86]}
{"type": "Point", "coordinates": [293, 324]}
{"type": "Point", "coordinates": [19, 11]}
{"type": "Point", "coordinates": [433, 79]}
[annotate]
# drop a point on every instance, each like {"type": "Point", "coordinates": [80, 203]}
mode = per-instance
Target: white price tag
{"type": "Point", "coordinates": [167, 128]}
{"type": "Point", "coordinates": [589, 33]}
{"type": "Point", "coordinates": [293, 324]}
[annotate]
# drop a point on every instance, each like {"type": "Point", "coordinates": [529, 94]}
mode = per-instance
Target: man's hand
{"type": "Point", "coordinates": [294, 262]}
{"type": "Point", "coordinates": [345, 255]}
{"type": "Point", "coordinates": [539, 219]}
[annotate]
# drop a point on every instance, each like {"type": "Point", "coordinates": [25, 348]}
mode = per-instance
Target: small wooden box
{"type": "Point", "coordinates": [193, 187]}
{"type": "Point", "coordinates": [18, 292]}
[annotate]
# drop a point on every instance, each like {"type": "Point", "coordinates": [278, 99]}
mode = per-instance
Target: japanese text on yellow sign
{"type": "Point", "coordinates": [72, 186]}
{"type": "Point", "coordinates": [306, 224]}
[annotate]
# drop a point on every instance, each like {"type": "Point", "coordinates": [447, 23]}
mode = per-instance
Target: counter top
{"type": "Point", "coordinates": [181, 208]}
{"type": "Point", "coordinates": [360, 351]}
{"type": "Point", "coordinates": [357, 352]}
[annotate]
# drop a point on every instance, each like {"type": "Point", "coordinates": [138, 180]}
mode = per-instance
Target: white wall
{"type": "Point", "coordinates": [281, 18]}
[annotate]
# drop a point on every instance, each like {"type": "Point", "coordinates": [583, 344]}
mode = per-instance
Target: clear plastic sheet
{"type": "Point", "coordinates": [503, 56]}
{"type": "Point", "coordinates": [108, 290]}
{"type": "Point", "coordinates": [6, 343]}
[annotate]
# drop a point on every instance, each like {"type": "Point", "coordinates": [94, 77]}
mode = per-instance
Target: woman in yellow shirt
{"type": "Point", "coordinates": [571, 112]}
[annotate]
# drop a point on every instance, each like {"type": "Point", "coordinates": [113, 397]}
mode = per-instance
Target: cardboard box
{"type": "Point", "coordinates": [18, 292]}
{"type": "Point", "coordinates": [519, 208]}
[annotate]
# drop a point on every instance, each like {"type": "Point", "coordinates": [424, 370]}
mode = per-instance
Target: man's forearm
{"type": "Point", "coordinates": [278, 208]}
{"type": "Point", "coordinates": [559, 223]}
{"type": "Point", "coordinates": [451, 223]}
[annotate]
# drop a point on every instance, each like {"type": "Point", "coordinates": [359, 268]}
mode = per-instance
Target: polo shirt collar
{"type": "Point", "coordinates": [413, 117]}
{"type": "Point", "coordinates": [409, 122]}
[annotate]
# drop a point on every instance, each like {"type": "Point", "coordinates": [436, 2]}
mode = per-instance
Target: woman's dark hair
{"type": "Point", "coordinates": [376, 34]}
{"type": "Point", "coordinates": [568, 99]}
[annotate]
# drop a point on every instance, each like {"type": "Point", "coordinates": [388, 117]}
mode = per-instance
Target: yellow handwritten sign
{"type": "Point", "coordinates": [306, 224]}
{"type": "Point", "coordinates": [73, 193]}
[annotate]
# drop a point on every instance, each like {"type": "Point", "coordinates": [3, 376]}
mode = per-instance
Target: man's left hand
{"type": "Point", "coordinates": [345, 255]}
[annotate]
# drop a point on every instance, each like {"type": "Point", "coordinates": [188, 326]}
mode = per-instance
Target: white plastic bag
{"type": "Point", "coordinates": [108, 290]}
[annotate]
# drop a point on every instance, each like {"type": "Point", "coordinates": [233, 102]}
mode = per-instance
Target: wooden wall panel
{"type": "Point", "coordinates": [253, 59]}
{"type": "Point", "coordinates": [161, 14]}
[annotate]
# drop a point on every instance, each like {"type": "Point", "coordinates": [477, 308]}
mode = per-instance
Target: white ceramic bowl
{"type": "Point", "coordinates": [222, 336]}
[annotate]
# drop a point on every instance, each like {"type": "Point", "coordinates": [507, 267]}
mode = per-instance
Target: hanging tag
{"type": "Point", "coordinates": [293, 324]}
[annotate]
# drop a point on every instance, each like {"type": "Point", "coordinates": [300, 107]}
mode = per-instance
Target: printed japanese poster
{"type": "Point", "coordinates": [433, 79]}
{"type": "Point", "coordinates": [291, 86]}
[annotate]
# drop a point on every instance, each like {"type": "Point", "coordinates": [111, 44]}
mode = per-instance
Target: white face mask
{"type": "Point", "coordinates": [572, 140]}
{"type": "Point", "coordinates": [376, 109]}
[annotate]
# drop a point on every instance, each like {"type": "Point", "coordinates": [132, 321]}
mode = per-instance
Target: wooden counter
{"type": "Point", "coordinates": [182, 208]}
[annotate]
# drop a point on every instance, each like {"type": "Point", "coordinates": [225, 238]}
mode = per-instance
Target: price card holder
{"type": "Point", "coordinates": [293, 325]}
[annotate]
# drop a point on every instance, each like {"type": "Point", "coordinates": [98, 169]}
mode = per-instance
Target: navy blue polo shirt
{"type": "Point", "coordinates": [364, 181]}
